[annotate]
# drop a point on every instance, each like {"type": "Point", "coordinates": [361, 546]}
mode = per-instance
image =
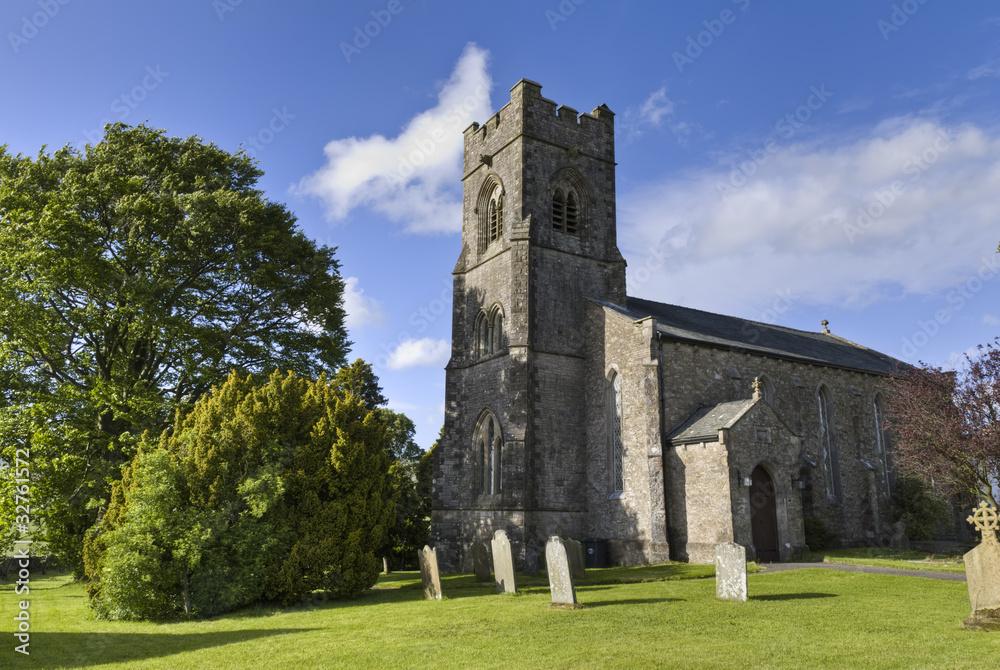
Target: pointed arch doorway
{"type": "Point", "coordinates": [763, 515]}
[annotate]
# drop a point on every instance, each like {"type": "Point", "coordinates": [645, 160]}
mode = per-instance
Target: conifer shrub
{"type": "Point", "coordinates": [262, 493]}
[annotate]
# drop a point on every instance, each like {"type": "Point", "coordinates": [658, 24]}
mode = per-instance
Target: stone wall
{"type": "Point", "coordinates": [696, 374]}
{"type": "Point", "coordinates": [634, 522]}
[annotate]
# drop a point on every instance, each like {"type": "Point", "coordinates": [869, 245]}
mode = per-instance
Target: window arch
{"type": "Point", "coordinates": [489, 333]}
{"type": "Point", "coordinates": [490, 208]}
{"type": "Point", "coordinates": [882, 442]}
{"type": "Point", "coordinates": [616, 446]}
{"type": "Point", "coordinates": [828, 443]}
{"type": "Point", "coordinates": [766, 389]}
{"type": "Point", "coordinates": [489, 450]}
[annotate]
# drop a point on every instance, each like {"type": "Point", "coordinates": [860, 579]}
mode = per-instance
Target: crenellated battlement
{"type": "Point", "coordinates": [528, 113]}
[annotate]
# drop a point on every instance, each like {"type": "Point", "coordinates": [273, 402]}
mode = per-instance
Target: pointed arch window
{"type": "Point", "coordinates": [490, 208]}
{"type": "Point", "coordinates": [882, 444]}
{"type": "Point", "coordinates": [489, 333]}
{"type": "Point", "coordinates": [496, 215]}
{"type": "Point", "coordinates": [489, 444]}
{"type": "Point", "coordinates": [767, 389]}
{"type": "Point", "coordinates": [616, 446]}
{"type": "Point", "coordinates": [828, 443]}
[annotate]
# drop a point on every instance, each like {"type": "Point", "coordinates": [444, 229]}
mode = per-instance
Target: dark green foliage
{"type": "Point", "coordinates": [818, 534]}
{"type": "Point", "coordinates": [134, 276]}
{"type": "Point", "coordinates": [915, 504]}
{"type": "Point", "coordinates": [261, 493]}
{"type": "Point", "coordinates": [359, 378]}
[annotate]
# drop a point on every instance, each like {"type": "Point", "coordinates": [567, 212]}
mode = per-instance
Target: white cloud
{"type": "Point", "coordinates": [362, 310]}
{"type": "Point", "coordinates": [989, 69]}
{"type": "Point", "coordinates": [791, 222]}
{"type": "Point", "coordinates": [424, 352]}
{"type": "Point", "coordinates": [991, 320]}
{"type": "Point", "coordinates": [410, 178]}
{"type": "Point", "coordinates": [651, 113]}
{"type": "Point", "coordinates": [655, 107]}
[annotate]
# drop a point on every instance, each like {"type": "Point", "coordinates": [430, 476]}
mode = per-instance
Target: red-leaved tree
{"type": "Point", "coordinates": [946, 425]}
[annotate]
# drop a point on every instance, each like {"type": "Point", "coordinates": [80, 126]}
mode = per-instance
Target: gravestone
{"type": "Point", "coordinates": [982, 572]}
{"type": "Point", "coordinates": [575, 551]}
{"type": "Point", "coordinates": [560, 575]}
{"type": "Point", "coordinates": [899, 540]}
{"type": "Point", "coordinates": [481, 561]}
{"type": "Point", "coordinates": [731, 572]}
{"type": "Point", "coordinates": [429, 573]}
{"type": "Point", "coordinates": [385, 566]}
{"type": "Point", "coordinates": [503, 563]}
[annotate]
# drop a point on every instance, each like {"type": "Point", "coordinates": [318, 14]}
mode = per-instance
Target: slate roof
{"type": "Point", "coordinates": [705, 423]}
{"type": "Point", "coordinates": [685, 324]}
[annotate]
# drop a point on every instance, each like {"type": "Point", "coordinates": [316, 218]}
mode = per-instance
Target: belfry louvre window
{"type": "Point", "coordinates": [565, 212]}
{"type": "Point", "coordinates": [616, 446]}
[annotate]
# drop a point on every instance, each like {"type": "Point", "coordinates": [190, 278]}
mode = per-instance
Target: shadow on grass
{"type": "Point", "coordinates": [635, 601]}
{"type": "Point", "coordinates": [80, 650]}
{"type": "Point", "coordinates": [794, 596]}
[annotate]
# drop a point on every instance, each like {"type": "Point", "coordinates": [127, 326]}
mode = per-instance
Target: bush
{"type": "Point", "coordinates": [261, 493]}
{"type": "Point", "coordinates": [915, 504]}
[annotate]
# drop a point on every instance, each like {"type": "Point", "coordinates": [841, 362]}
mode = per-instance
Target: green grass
{"type": "Point", "coordinates": [887, 558]}
{"type": "Point", "coordinates": [809, 618]}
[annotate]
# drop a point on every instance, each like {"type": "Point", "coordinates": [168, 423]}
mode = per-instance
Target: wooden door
{"type": "Point", "coordinates": [763, 516]}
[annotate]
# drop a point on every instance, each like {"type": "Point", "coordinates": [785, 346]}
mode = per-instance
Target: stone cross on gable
{"type": "Point", "coordinates": [984, 518]}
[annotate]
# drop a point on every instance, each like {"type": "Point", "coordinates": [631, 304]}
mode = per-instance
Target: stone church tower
{"type": "Point", "coordinates": [538, 239]}
{"type": "Point", "coordinates": [573, 409]}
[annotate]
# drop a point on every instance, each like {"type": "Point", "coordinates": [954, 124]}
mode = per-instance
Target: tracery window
{"type": "Point", "coordinates": [882, 443]}
{"type": "Point", "coordinates": [490, 207]}
{"type": "Point", "coordinates": [489, 444]}
{"type": "Point", "coordinates": [767, 389]}
{"type": "Point", "coordinates": [828, 444]}
{"type": "Point", "coordinates": [489, 333]}
{"type": "Point", "coordinates": [616, 446]}
{"type": "Point", "coordinates": [496, 215]}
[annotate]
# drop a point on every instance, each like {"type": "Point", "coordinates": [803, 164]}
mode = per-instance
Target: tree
{"type": "Point", "coordinates": [946, 425]}
{"type": "Point", "coordinates": [359, 378]}
{"type": "Point", "coordinates": [412, 527]}
{"type": "Point", "coordinates": [261, 493]}
{"type": "Point", "coordinates": [135, 275]}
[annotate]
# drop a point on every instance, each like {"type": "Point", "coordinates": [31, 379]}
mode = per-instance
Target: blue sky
{"type": "Point", "coordinates": [785, 162]}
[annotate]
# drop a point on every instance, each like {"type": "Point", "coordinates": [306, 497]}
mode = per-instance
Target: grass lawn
{"type": "Point", "coordinates": [811, 618]}
{"type": "Point", "coordinates": [887, 558]}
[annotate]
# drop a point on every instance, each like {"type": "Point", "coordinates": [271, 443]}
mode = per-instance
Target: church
{"type": "Point", "coordinates": [572, 409]}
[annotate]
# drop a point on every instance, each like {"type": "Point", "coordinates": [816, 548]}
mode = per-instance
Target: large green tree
{"type": "Point", "coordinates": [261, 493]}
{"type": "Point", "coordinates": [135, 274]}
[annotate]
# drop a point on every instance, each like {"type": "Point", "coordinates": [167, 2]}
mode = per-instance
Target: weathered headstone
{"type": "Point", "coordinates": [560, 575]}
{"type": "Point", "coordinates": [982, 572]}
{"type": "Point", "coordinates": [899, 540]}
{"type": "Point", "coordinates": [575, 552]}
{"type": "Point", "coordinates": [429, 573]}
{"type": "Point", "coordinates": [503, 563]}
{"type": "Point", "coordinates": [481, 561]}
{"type": "Point", "coordinates": [385, 566]}
{"type": "Point", "coordinates": [731, 572]}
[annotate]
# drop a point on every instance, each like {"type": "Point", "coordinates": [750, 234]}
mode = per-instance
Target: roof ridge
{"type": "Point", "coordinates": [759, 323]}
